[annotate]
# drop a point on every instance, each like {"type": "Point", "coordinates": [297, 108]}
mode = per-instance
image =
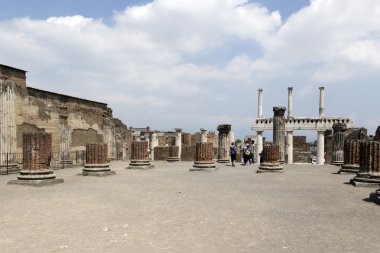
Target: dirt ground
{"type": "Point", "coordinates": [307, 208]}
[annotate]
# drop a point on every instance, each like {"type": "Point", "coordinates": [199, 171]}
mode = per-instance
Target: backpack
{"type": "Point", "coordinates": [232, 151]}
{"type": "Point", "coordinates": [247, 152]}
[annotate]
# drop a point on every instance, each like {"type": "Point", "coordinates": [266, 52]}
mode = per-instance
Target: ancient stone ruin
{"type": "Point", "coordinates": [36, 161]}
{"type": "Point", "coordinates": [139, 156]}
{"type": "Point", "coordinates": [203, 158]}
{"type": "Point", "coordinates": [96, 161]}
{"type": "Point", "coordinates": [338, 139]}
{"type": "Point", "coordinates": [223, 148]}
{"type": "Point", "coordinates": [173, 154]}
{"type": "Point", "coordinates": [279, 130]}
{"type": "Point", "coordinates": [351, 157]}
{"type": "Point", "coordinates": [270, 159]}
{"type": "Point", "coordinates": [369, 171]}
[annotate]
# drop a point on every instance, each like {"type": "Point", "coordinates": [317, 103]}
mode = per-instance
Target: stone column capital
{"type": "Point", "coordinates": [224, 128]}
{"type": "Point", "coordinates": [178, 130]}
{"type": "Point", "coordinates": [279, 111]}
{"type": "Point", "coordinates": [339, 127]}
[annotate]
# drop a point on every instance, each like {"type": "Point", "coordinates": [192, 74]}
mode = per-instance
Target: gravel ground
{"type": "Point", "coordinates": [169, 209]}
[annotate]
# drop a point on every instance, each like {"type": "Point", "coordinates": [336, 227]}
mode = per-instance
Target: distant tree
{"type": "Point", "coordinates": [238, 141]}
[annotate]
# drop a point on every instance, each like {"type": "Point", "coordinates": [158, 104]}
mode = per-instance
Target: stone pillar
{"type": "Point", "coordinates": [338, 139]}
{"type": "Point", "coordinates": [259, 145]}
{"type": "Point", "coordinates": [279, 130]}
{"type": "Point", "coordinates": [65, 146]}
{"type": "Point", "coordinates": [204, 153]}
{"type": "Point", "coordinates": [321, 148]}
{"type": "Point", "coordinates": [203, 135]}
{"type": "Point", "coordinates": [178, 141]}
{"type": "Point", "coordinates": [96, 161]}
{"type": "Point", "coordinates": [290, 102]}
{"type": "Point", "coordinates": [223, 145]}
{"type": "Point", "coordinates": [153, 144]}
{"type": "Point", "coordinates": [260, 103]}
{"type": "Point", "coordinates": [369, 170]}
{"type": "Point", "coordinates": [8, 140]}
{"type": "Point", "coordinates": [321, 102]}
{"type": "Point", "coordinates": [231, 137]}
{"type": "Point", "coordinates": [289, 146]}
{"type": "Point", "coordinates": [271, 159]}
{"type": "Point", "coordinates": [351, 157]}
{"type": "Point", "coordinates": [36, 161]}
{"type": "Point", "coordinates": [173, 154]}
{"type": "Point", "coordinates": [139, 156]}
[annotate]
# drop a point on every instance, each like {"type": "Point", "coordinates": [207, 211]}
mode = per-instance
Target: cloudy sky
{"type": "Point", "coordinates": [193, 64]}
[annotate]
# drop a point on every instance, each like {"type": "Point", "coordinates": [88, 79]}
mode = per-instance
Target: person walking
{"type": "Point", "coordinates": [246, 153]}
{"type": "Point", "coordinates": [233, 154]}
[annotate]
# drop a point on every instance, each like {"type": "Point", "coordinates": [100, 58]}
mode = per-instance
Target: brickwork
{"type": "Point", "coordinates": [188, 153]}
{"type": "Point", "coordinates": [96, 153]}
{"type": "Point", "coordinates": [139, 150]}
{"type": "Point", "coordinates": [36, 151]}
{"type": "Point", "coordinates": [173, 151]}
{"type": "Point", "coordinates": [161, 153]}
{"type": "Point", "coordinates": [186, 138]}
{"type": "Point", "coordinates": [271, 153]}
{"type": "Point", "coordinates": [204, 152]}
{"type": "Point", "coordinates": [352, 152]}
{"type": "Point", "coordinates": [370, 157]}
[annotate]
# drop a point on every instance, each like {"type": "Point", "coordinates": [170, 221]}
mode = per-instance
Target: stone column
{"type": "Point", "coordinates": [178, 141]}
{"type": "Point", "coordinates": [271, 159]}
{"type": "Point", "coordinates": [139, 156]}
{"type": "Point", "coordinates": [223, 145]}
{"type": "Point", "coordinates": [96, 161]}
{"type": "Point", "coordinates": [153, 144]}
{"type": "Point", "coordinates": [203, 135]}
{"type": "Point", "coordinates": [290, 102]}
{"type": "Point", "coordinates": [204, 153]}
{"type": "Point", "coordinates": [260, 103]}
{"type": "Point", "coordinates": [173, 154]}
{"type": "Point", "coordinates": [279, 130]}
{"type": "Point", "coordinates": [231, 137]}
{"type": "Point", "coordinates": [289, 146]}
{"type": "Point", "coordinates": [321, 148]}
{"type": "Point", "coordinates": [338, 139]}
{"type": "Point", "coordinates": [321, 102]}
{"type": "Point", "coordinates": [65, 146]}
{"type": "Point", "coordinates": [351, 157]}
{"type": "Point", "coordinates": [369, 170]}
{"type": "Point", "coordinates": [36, 161]}
{"type": "Point", "coordinates": [259, 145]}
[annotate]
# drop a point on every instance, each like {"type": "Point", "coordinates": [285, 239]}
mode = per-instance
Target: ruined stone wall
{"type": "Point", "coordinates": [161, 153]}
{"type": "Point", "coordinates": [72, 122]}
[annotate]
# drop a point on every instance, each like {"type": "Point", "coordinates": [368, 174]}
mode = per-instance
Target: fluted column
{"type": "Point", "coordinates": [97, 161]}
{"type": "Point", "coordinates": [203, 135]}
{"type": "Point", "coordinates": [153, 144]}
{"type": "Point", "coordinates": [321, 102]}
{"type": "Point", "coordinates": [279, 130]}
{"type": "Point", "coordinates": [338, 140]}
{"type": "Point", "coordinates": [223, 146]}
{"type": "Point", "coordinates": [204, 153]}
{"type": "Point", "coordinates": [178, 141]}
{"type": "Point", "coordinates": [290, 102]}
{"type": "Point", "coordinates": [351, 157]}
{"type": "Point", "coordinates": [260, 103]}
{"type": "Point", "coordinates": [139, 156]}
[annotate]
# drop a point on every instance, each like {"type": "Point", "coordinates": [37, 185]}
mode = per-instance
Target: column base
{"type": "Point", "coordinates": [97, 166]}
{"type": "Point", "coordinates": [140, 165]}
{"type": "Point", "coordinates": [375, 196]}
{"type": "Point", "coordinates": [270, 167]}
{"type": "Point", "coordinates": [101, 171]}
{"type": "Point", "coordinates": [365, 180]}
{"type": "Point", "coordinates": [208, 166]}
{"type": "Point", "coordinates": [337, 163]}
{"type": "Point", "coordinates": [349, 169]}
{"type": "Point", "coordinates": [37, 178]}
{"type": "Point", "coordinates": [172, 159]}
{"type": "Point", "coordinates": [223, 160]}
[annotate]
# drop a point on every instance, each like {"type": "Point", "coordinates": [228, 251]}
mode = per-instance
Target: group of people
{"type": "Point", "coordinates": [246, 150]}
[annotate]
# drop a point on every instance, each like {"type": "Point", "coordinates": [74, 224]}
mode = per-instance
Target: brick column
{"type": "Point", "coordinates": [36, 161]}
{"type": "Point", "coordinates": [96, 160]}
{"type": "Point", "coordinates": [271, 159]}
{"type": "Point", "coordinates": [351, 157]}
{"type": "Point", "coordinates": [173, 154]}
{"type": "Point", "coordinates": [139, 156]}
{"type": "Point", "coordinates": [204, 158]}
{"type": "Point", "coordinates": [369, 170]}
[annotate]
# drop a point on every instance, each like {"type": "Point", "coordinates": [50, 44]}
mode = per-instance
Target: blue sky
{"type": "Point", "coordinates": [168, 64]}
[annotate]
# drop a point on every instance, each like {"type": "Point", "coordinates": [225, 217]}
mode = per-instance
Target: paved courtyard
{"type": "Point", "coordinates": [169, 209]}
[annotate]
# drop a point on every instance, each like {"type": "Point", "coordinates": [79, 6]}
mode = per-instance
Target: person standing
{"type": "Point", "coordinates": [233, 154]}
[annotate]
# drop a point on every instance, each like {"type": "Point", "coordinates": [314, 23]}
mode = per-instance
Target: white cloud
{"type": "Point", "coordinates": [141, 64]}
